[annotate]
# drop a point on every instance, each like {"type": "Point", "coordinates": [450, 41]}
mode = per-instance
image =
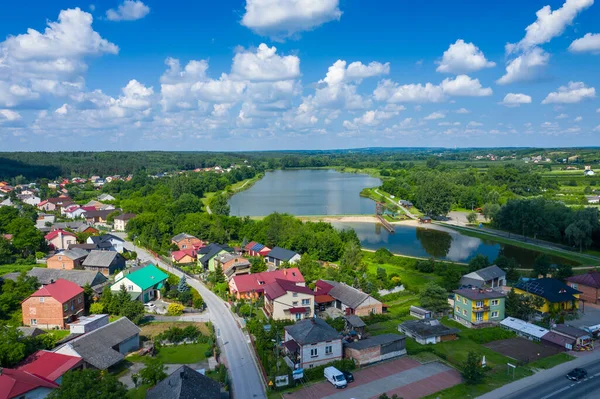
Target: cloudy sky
{"type": "Point", "coordinates": [298, 74]}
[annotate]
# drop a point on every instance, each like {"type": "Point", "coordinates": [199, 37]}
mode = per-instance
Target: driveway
{"type": "Point", "coordinates": [203, 317]}
{"type": "Point", "coordinates": [404, 377]}
{"type": "Point", "coordinates": [243, 367]}
{"type": "Point", "coordinates": [589, 318]}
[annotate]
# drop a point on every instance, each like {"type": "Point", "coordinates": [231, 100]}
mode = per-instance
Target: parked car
{"type": "Point", "coordinates": [577, 374]}
{"type": "Point", "coordinates": [335, 377]}
{"type": "Point", "coordinates": [150, 307]}
{"type": "Point", "coordinates": [348, 376]}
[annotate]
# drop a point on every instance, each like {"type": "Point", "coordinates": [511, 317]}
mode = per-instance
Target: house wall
{"type": "Point", "coordinates": [369, 306]}
{"type": "Point", "coordinates": [588, 294]}
{"type": "Point", "coordinates": [568, 305]}
{"type": "Point", "coordinates": [129, 286]}
{"type": "Point", "coordinates": [372, 355]}
{"type": "Point", "coordinates": [185, 259]}
{"type": "Point", "coordinates": [120, 224]}
{"type": "Point", "coordinates": [212, 262]}
{"type": "Point", "coordinates": [50, 313]}
{"type": "Point", "coordinates": [466, 314]}
{"type": "Point", "coordinates": [62, 241]}
{"type": "Point", "coordinates": [130, 345]}
{"type": "Point", "coordinates": [62, 262]}
{"type": "Point", "coordinates": [188, 243]}
{"type": "Point", "coordinates": [309, 361]}
{"type": "Point", "coordinates": [279, 308]}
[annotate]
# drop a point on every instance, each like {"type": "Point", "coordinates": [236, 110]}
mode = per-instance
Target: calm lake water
{"type": "Point", "coordinates": [306, 192]}
{"type": "Point", "coordinates": [447, 244]}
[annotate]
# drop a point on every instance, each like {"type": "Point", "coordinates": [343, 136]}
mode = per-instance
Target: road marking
{"type": "Point", "coordinates": [559, 391]}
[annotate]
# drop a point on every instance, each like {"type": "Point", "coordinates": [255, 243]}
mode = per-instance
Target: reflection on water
{"type": "Point", "coordinates": [440, 244]}
{"type": "Point", "coordinates": [306, 192]}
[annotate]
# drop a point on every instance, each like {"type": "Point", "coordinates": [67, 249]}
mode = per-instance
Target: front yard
{"type": "Point", "coordinates": [176, 354]}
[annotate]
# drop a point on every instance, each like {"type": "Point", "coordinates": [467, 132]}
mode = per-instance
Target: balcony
{"type": "Point", "coordinates": [484, 308]}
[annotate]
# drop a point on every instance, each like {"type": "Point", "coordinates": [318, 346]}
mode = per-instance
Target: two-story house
{"type": "Point", "coordinates": [233, 264]}
{"type": "Point", "coordinates": [107, 242]}
{"type": "Point", "coordinates": [60, 239]}
{"type": "Point", "coordinates": [105, 262]}
{"type": "Point", "coordinates": [187, 241]}
{"type": "Point", "coordinates": [312, 342]}
{"type": "Point", "coordinates": [252, 285]}
{"type": "Point", "coordinates": [143, 284]}
{"type": "Point", "coordinates": [277, 256]}
{"type": "Point", "coordinates": [477, 308]}
{"type": "Point", "coordinates": [207, 255]}
{"type": "Point", "coordinates": [120, 222]}
{"type": "Point", "coordinates": [54, 305]}
{"type": "Point", "coordinates": [589, 285]}
{"type": "Point", "coordinates": [284, 300]}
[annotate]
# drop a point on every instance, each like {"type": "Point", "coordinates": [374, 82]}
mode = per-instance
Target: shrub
{"type": "Point", "coordinates": [175, 309]}
{"type": "Point", "coordinates": [485, 335]}
{"type": "Point", "coordinates": [245, 310]}
{"type": "Point", "coordinates": [176, 334]}
{"type": "Point", "coordinates": [96, 308]}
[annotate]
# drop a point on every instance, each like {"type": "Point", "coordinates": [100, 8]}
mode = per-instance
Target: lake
{"type": "Point", "coordinates": [443, 244]}
{"type": "Point", "coordinates": [306, 192]}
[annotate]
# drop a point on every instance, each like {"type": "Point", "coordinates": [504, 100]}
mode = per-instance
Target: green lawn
{"type": "Point", "coordinates": [59, 334]}
{"type": "Point", "coordinates": [179, 354]}
{"type": "Point", "coordinates": [12, 268]}
{"type": "Point", "coordinates": [138, 393]}
{"type": "Point", "coordinates": [551, 361]}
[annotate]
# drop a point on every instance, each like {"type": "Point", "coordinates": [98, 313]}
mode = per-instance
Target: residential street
{"type": "Point", "coordinates": [553, 383]}
{"type": "Point", "coordinates": [243, 369]}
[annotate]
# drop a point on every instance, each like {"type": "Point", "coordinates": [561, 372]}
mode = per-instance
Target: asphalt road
{"type": "Point", "coordinates": [563, 388]}
{"type": "Point", "coordinates": [243, 369]}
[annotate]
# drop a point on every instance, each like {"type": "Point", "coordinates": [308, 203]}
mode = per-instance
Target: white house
{"type": "Point", "coordinates": [143, 284]}
{"type": "Point", "coordinates": [312, 342]}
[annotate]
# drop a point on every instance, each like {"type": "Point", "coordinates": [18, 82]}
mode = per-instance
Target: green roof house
{"type": "Point", "coordinates": [143, 284]}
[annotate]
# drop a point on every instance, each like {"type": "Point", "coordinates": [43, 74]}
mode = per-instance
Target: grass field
{"type": "Point", "coordinates": [150, 330]}
{"type": "Point", "coordinates": [12, 268]}
{"type": "Point", "coordinates": [177, 354]}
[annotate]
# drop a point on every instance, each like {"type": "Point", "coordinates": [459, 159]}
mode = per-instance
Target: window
{"type": "Point", "coordinates": [574, 285]}
{"type": "Point", "coordinates": [465, 301]}
{"type": "Point", "coordinates": [60, 258]}
{"type": "Point", "coordinates": [130, 288]}
{"type": "Point", "coordinates": [78, 299]}
{"type": "Point", "coordinates": [328, 350]}
{"type": "Point", "coordinates": [33, 322]}
{"type": "Point", "coordinates": [298, 316]}
{"type": "Point", "coordinates": [295, 303]}
{"type": "Point", "coordinates": [479, 304]}
{"type": "Point", "coordinates": [295, 294]}
{"type": "Point", "coordinates": [306, 301]}
{"type": "Point", "coordinates": [41, 299]}
{"type": "Point", "coordinates": [464, 312]}
{"type": "Point", "coordinates": [479, 316]}
{"type": "Point", "coordinates": [495, 302]}
{"type": "Point", "coordinates": [314, 352]}
{"type": "Point", "coordinates": [63, 265]}
{"type": "Point", "coordinates": [66, 307]}
{"type": "Point", "coordinates": [494, 314]}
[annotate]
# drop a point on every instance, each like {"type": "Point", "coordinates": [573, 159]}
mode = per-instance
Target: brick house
{"type": "Point", "coordinates": [233, 264]}
{"type": "Point", "coordinates": [60, 239]}
{"type": "Point", "coordinates": [588, 284]}
{"type": "Point", "coordinates": [187, 241]}
{"type": "Point", "coordinates": [54, 305]}
{"type": "Point", "coordinates": [67, 260]}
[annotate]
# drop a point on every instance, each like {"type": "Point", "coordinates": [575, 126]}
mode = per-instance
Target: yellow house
{"type": "Point", "coordinates": [556, 294]}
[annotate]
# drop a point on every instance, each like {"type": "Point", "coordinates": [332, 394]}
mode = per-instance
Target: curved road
{"type": "Point", "coordinates": [243, 368]}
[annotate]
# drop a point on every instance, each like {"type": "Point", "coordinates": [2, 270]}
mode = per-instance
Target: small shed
{"type": "Point", "coordinates": [523, 329]}
{"type": "Point", "coordinates": [420, 313]}
{"type": "Point", "coordinates": [354, 323]}
{"type": "Point", "coordinates": [424, 219]}
{"type": "Point", "coordinates": [582, 338]}
{"type": "Point", "coordinates": [556, 340]}
{"type": "Point", "coordinates": [376, 349]}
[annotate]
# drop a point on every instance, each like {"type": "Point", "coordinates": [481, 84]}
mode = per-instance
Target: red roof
{"type": "Point", "coordinates": [323, 299]}
{"type": "Point", "coordinates": [61, 290]}
{"type": "Point", "coordinates": [297, 310]}
{"type": "Point", "coordinates": [88, 208]}
{"type": "Point", "coordinates": [590, 279]}
{"type": "Point", "coordinates": [281, 287]}
{"type": "Point", "coordinates": [265, 251]}
{"type": "Point", "coordinates": [15, 383]}
{"type": "Point", "coordinates": [44, 202]}
{"type": "Point", "coordinates": [250, 245]}
{"type": "Point", "coordinates": [178, 255]}
{"type": "Point", "coordinates": [323, 287]}
{"type": "Point", "coordinates": [49, 365]}
{"type": "Point", "coordinates": [53, 234]}
{"type": "Point", "coordinates": [257, 281]}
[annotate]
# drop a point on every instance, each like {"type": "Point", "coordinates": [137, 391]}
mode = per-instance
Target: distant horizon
{"type": "Point", "coordinates": [250, 75]}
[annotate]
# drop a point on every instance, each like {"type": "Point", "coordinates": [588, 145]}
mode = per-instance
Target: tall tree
{"type": "Point", "coordinates": [434, 298]}
{"type": "Point", "coordinates": [472, 372]}
{"type": "Point", "coordinates": [435, 196]}
{"type": "Point", "coordinates": [219, 205]}
{"type": "Point", "coordinates": [541, 266]}
{"type": "Point", "coordinates": [153, 373]}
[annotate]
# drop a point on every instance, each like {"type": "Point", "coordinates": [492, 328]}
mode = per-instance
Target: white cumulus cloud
{"type": "Point", "coordinates": [525, 67]}
{"type": "Point", "coordinates": [463, 85]}
{"type": "Point", "coordinates": [129, 10]}
{"type": "Point", "coordinates": [265, 65]}
{"type": "Point", "coordinates": [516, 99]}
{"type": "Point", "coordinates": [284, 18]}
{"type": "Point", "coordinates": [588, 43]}
{"type": "Point", "coordinates": [9, 115]}
{"type": "Point", "coordinates": [462, 111]}
{"type": "Point", "coordinates": [574, 92]}
{"type": "Point", "coordinates": [434, 116]}
{"type": "Point", "coordinates": [463, 57]}
{"type": "Point", "coordinates": [578, 119]}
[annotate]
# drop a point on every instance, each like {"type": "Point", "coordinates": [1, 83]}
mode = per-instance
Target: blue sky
{"type": "Point", "coordinates": [298, 74]}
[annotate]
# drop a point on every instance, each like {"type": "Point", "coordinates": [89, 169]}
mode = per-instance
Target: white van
{"type": "Point", "coordinates": [336, 377]}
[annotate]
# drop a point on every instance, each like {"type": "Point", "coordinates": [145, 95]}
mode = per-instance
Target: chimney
{"type": "Point", "coordinates": [182, 375]}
